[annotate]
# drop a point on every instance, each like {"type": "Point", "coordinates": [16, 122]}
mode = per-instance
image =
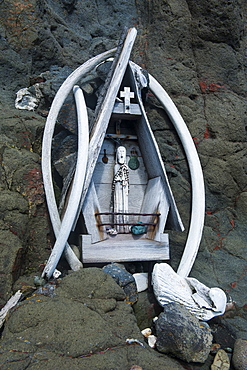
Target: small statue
{"type": "Point", "coordinates": [120, 188]}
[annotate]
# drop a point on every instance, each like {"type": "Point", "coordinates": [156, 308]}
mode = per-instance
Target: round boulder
{"type": "Point", "coordinates": [181, 334]}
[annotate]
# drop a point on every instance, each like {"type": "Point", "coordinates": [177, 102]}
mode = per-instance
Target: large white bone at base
{"type": "Point", "coordinates": [200, 300]}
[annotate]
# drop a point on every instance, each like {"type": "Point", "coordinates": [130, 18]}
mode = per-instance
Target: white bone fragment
{"type": "Point", "coordinates": [197, 182]}
{"type": "Point", "coordinates": [26, 100]}
{"type": "Point", "coordinates": [141, 279]}
{"type": "Point", "coordinates": [12, 302]}
{"type": "Point", "coordinates": [132, 341]}
{"type": "Point", "coordinates": [56, 274]}
{"type": "Point", "coordinates": [146, 332]}
{"type": "Point", "coordinates": [152, 339]}
{"type": "Point", "coordinates": [200, 300]}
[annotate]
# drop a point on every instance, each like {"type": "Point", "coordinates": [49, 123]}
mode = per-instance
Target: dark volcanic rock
{"type": "Point", "coordinates": [124, 279]}
{"type": "Point", "coordinates": [239, 358]}
{"type": "Point", "coordinates": [23, 215]}
{"type": "Point", "coordinates": [84, 325]}
{"type": "Point", "coordinates": [181, 334]}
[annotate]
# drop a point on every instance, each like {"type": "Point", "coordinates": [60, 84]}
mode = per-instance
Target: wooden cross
{"type": "Point", "coordinates": [127, 95]}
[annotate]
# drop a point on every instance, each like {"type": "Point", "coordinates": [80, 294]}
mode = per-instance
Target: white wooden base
{"type": "Point", "coordinates": [124, 248]}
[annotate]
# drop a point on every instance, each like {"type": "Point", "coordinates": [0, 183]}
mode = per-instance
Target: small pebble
{"type": "Point", "coordinates": [152, 339]}
{"type": "Point", "coordinates": [146, 332]}
{"type": "Point", "coordinates": [215, 347]}
{"type": "Point", "coordinates": [39, 281]}
{"type": "Point", "coordinates": [221, 361]}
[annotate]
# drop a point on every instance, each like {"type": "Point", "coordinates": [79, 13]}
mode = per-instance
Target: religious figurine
{"type": "Point", "coordinates": [120, 188]}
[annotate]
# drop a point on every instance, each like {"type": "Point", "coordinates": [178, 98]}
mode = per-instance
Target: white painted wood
{"type": "Point", "coordinates": [164, 238]}
{"type": "Point", "coordinates": [12, 302]}
{"type": "Point", "coordinates": [136, 194]}
{"type": "Point", "coordinates": [102, 120]}
{"type": "Point", "coordinates": [198, 192]}
{"type": "Point", "coordinates": [90, 207]}
{"type": "Point", "coordinates": [77, 185]}
{"type": "Point", "coordinates": [152, 157]}
{"type": "Point", "coordinates": [127, 95]}
{"type": "Point", "coordinates": [123, 249]}
{"type": "Point", "coordinates": [57, 103]}
{"type": "Point", "coordinates": [155, 201]}
{"type": "Point", "coordinates": [134, 110]}
{"type": "Point", "coordinates": [118, 246]}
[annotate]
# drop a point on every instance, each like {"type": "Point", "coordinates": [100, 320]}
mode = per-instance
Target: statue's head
{"type": "Point", "coordinates": [121, 155]}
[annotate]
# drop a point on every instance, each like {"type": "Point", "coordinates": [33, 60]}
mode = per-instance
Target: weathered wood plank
{"type": "Point", "coordinates": [151, 155]}
{"type": "Point", "coordinates": [119, 111]}
{"type": "Point", "coordinates": [128, 249]}
{"type": "Point", "coordinates": [101, 123]}
{"type": "Point", "coordinates": [90, 207]}
{"type": "Point", "coordinates": [155, 201]}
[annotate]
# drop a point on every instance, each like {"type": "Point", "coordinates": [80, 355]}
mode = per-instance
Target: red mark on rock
{"type": "Point", "coordinates": [212, 87]}
{"type": "Point", "coordinates": [196, 141]}
{"type": "Point", "coordinates": [206, 133]}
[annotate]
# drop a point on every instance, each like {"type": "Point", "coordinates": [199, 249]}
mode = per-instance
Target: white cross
{"type": "Point", "coordinates": [127, 95]}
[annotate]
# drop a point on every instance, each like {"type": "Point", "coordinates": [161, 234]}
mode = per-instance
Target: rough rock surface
{"type": "Point", "coordinates": [182, 335]}
{"type": "Point", "coordinates": [24, 227]}
{"type": "Point", "coordinates": [239, 358]}
{"type": "Point", "coordinates": [196, 50]}
{"type": "Point", "coordinates": [84, 325]}
{"type": "Point", "coordinates": [124, 279]}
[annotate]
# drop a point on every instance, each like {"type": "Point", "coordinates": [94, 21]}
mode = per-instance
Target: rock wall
{"type": "Point", "coordinates": [196, 50]}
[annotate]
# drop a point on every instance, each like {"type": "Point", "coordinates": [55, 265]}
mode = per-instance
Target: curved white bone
{"type": "Point", "coordinates": [58, 101]}
{"type": "Point", "coordinates": [198, 193]}
{"type": "Point", "coordinates": [77, 186]}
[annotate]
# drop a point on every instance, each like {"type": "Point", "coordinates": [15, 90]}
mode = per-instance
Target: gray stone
{"type": "Point", "coordinates": [221, 361]}
{"type": "Point", "coordinates": [181, 334]}
{"type": "Point", "coordinates": [239, 357]}
{"type": "Point", "coordinates": [124, 279]}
